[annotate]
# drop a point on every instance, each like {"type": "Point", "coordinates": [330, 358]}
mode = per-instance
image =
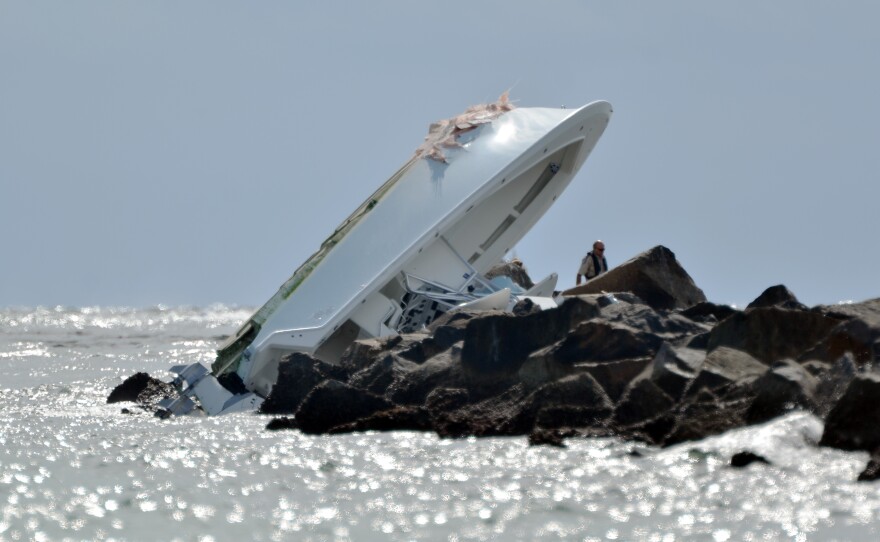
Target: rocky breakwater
{"type": "Point", "coordinates": [637, 353]}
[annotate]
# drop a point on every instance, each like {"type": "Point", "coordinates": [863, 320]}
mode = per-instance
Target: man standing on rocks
{"type": "Point", "coordinates": [594, 263]}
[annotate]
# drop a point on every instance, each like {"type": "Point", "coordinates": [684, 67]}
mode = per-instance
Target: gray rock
{"type": "Point", "coordinates": [708, 312]}
{"type": "Point", "coordinates": [854, 422]}
{"type": "Point", "coordinates": [298, 374]}
{"type": "Point", "coordinates": [777, 296]}
{"type": "Point", "coordinates": [382, 373]}
{"type": "Point", "coordinates": [331, 404]}
{"type": "Point", "coordinates": [496, 344]}
{"type": "Point", "coordinates": [643, 401]}
{"type": "Point", "coordinates": [673, 368]}
{"type": "Point", "coordinates": [772, 333]}
{"type": "Point", "coordinates": [785, 386]}
{"type": "Point", "coordinates": [443, 370]}
{"type": "Point", "coordinates": [833, 382]}
{"type": "Point", "coordinates": [655, 276]}
{"type": "Point", "coordinates": [859, 337]}
{"type": "Point", "coordinates": [704, 415]}
{"type": "Point", "coordinates": [598, 340]}
{"type": "Point", "coordinates": [724, 367]}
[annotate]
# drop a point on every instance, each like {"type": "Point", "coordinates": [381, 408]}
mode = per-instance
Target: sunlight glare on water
{"type": "Point", "coordinates": [73, 467]}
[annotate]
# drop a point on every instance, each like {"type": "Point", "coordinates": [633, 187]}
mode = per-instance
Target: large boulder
{"type": "Point", "coordinates": [598, 340]}
{"type": "Point", "coordinates": [772, 333]}
{"type": "Point", "coordinates": [724, 367]}
{"type": "Point", "coordinates": [614, 375]}
{"type": "Point", "coordinates": [655, 276]}
{"type": "Point", "coordinates": [143, 389]}
{"type": "Point", "coordinates": [785, 386]}
{"type": "Point", "coordinates": [832, 381]}
{"type": "Point", "coordinates": [673, 368]}
{"type": "Point", "coordinates": [332, 403]}
{"type": "Point", "coordinates": [669, 326]}
{"type": "Point", "coordinates": [854, 422]}
{"type": "Point", "coordinates": [643, 400]}
{"type": "Point", "coordinates": [581, 391]}
{"type": "Point", "coordinates": [382, 373]}
{"type": "Point", "coordinates": [298, 374]}
{"type": "Point", "coordinates": [857, 337]}
{"type": "Point", "coordinates": [490, 416]}
{"type": "Point", "coordinates": [441, 371]}
{"type": "Point", "coordinates": [498, 344]}
{"type": "Point", "coordinates": [399, 418]}
{"type": "Point", "coordinates": [705, 414]}
{"type": "Point", "coordinates": [777, 296]}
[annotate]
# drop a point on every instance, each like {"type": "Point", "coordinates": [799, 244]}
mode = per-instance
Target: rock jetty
{"type": "Point", "coordinates": [638, 353]}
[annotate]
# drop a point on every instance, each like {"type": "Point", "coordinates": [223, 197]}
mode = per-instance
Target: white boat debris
{"type": "Point", "coordinates": [415, 249]}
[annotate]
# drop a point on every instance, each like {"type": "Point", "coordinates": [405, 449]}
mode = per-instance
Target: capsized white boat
{"type": "Point", "coordinates": [415, 249]}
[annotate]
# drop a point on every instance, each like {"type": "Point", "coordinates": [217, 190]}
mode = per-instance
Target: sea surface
{"type": "Point", "coordinates": [75, 468]}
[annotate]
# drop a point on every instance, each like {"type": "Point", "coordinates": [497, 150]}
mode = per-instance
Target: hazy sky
{"type": "Point", "coordinates": [170, 152]}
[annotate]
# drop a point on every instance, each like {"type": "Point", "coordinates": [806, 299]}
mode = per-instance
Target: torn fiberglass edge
{"type": "Point", "coordinates": [415, 249]}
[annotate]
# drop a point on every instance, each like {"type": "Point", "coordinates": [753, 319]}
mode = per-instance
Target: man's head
{"type": "Point", "coordinates": [599, 248]}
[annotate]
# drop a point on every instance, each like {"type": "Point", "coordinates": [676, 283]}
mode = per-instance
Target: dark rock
{"type": "Point", "coordinates": [446, 399]}
{"type": "Point", "coordinates": [488, 417]}
{"type": "Point", "coordinates": [332, 403]}
{"type": "Point", "coordinates": [448, 329]}
{"type": "Point", "coordinates": [298, 374]}
{"type": "Point", "coordinates": [142, 389]}
{"type": "Point", "coordinates": [363, 353]}
{"type": "Point", "coordinates": [777, 296]}
{"type": "Point", "coordinates": [672, 327]}
{"type": "Point", "coordinates": [614, 376]}
{"type": "Point", "coordinates": [550, 437]}
{"type": "Point", "coordinates": [742, 459]}
{"type": "Point", "coordinates": [854, 422]}
{"type": "Point", "coordinates": [724, 367]}
{"type": "Point", "coordinates": [130, 388]}
{"type": "Point", "coordinates": [706, 311]}
{"type": "Point", "coordinates": [655, 276]}
{"type": "Point", "coordinates": [643, 401]}
{"type": "Point", "coordinates": [785, 386]}
{"type": "Point", "coordinates": [278, 424]}
{"type": "Point", "coordinates": [379, 376]}
{"type": "Point", "coordinates": [868, 311]}
{"type": "Point", "coordinates": [772, 333]}
{"type": "Point", "coordinates": [699, 341]}
{"type": "Point", "coordinates": [580, 390]}
{"type": "Point", "coordinates": [524, 307]}
{"type": "Point", "coordinates": [858, 337]}
{"type": "Point", "coordinates": [673, 368]}
{"type": "Point", "coordinates": [418, 347]}
{"type": "Point", "coordinates": [400, 418]}
{"type": "Point", "coordinates": [652, 431]}
{"type": "Point", "coordinates": [597, 340]}
{"type": "Point", "coordinates": [443, 370]}
{"type": "Point", "coordinates": [232, 382]}
{"type": "Point", "coordinates": [872, 469]}
{"type": "Point", "coordinates": [833, 383]}
{"type": "Point", "coordinates": [704, 415]}
{"type": "Point", "coordinates": [818, 369]}
{"type": "Point", "coordinates": [500, 343]}
{"type": "Point", "coordinates": [560, 416]}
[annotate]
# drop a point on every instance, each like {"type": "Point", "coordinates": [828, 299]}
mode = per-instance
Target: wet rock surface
{"type": "Point", "coordinates": [638, 353]}
{"type": "Point", "coordinates": [142, 389]}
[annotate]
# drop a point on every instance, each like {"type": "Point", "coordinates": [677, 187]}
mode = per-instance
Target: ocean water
{"type": "Point", "coordinates": [74, 468]}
